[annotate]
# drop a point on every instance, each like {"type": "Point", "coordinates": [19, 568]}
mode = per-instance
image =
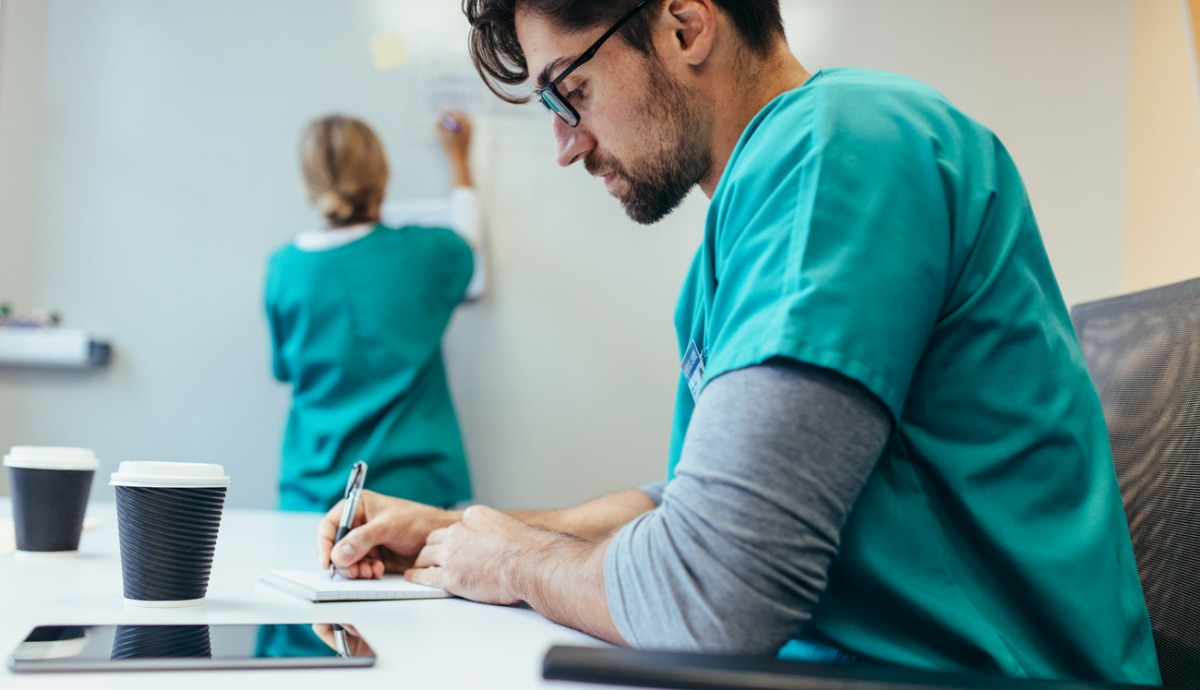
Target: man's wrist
{"type": "Point", "coordinates": [522, 569]}
{"type": "Point", "coordinates": [543, 562]}
{"type": "Point", "coordinates": [562, 577]}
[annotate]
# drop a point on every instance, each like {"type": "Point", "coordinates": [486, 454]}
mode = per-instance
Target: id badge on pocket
{"type": "Point", "coordinates": [693, 369]}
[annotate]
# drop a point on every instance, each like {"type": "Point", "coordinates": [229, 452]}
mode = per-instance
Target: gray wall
{"type": "Point", "coordinates": [147, 167]}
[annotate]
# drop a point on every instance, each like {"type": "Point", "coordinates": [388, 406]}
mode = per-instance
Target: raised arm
{"type": "Point", "coordinates": [455, 131]}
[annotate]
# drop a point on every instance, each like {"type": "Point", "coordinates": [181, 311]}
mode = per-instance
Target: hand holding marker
{"type": "Point", "coordinates": [449, 123]}
{"type": "Point", "coordinates": [454, 130]}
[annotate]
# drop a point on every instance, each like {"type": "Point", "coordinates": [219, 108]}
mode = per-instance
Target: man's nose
{"type": "Point", "coordinates": [573, 143]}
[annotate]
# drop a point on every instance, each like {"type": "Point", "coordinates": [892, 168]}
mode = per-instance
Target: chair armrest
{"type": "Point", "coordinates": [685, 671]}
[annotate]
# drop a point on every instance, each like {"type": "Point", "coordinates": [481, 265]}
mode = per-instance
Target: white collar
{"type": "Point", "coordinates": [322, 240]}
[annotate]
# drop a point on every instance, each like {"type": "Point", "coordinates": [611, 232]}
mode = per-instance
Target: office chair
{"type": "Point", "coordinates": [1143, 352]}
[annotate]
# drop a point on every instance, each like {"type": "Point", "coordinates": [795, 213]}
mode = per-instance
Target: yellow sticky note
{"type": "Point", "coordinates": [388, 52]}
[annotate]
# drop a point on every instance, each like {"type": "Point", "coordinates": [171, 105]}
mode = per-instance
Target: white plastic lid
{"type": "Point", "coordinates": [51, 458]}
{"type": "Point", "coordinates": [169, 474]}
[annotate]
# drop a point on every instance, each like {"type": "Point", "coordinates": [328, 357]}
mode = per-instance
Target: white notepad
{"type": "Point", "coordinates": [315, 585]}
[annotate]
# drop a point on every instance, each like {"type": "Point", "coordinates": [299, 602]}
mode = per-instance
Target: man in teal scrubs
{"type": "Point", "coordinates": [886, 443]}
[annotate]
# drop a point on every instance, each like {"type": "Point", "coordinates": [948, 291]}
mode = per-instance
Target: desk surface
{"type": "Point", "coordinates": [431, 644]}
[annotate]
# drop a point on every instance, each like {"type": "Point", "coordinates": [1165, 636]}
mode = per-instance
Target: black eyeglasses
{"type": "Point", "coordinates": [549, 95]}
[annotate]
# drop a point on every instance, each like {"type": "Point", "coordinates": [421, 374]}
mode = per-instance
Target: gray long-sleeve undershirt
{"type": "Point", "coordinates": [736, 555]}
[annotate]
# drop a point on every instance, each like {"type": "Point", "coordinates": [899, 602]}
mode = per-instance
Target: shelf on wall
{"type": "Point", "coordinates": [52, 347]}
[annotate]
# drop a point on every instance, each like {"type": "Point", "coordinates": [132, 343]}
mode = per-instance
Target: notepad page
{"type": "Point", "coordinates": [315, 585]}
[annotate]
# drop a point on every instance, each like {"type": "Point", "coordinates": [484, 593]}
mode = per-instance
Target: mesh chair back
{"type": "Point", "coordinates": [1143, 352]}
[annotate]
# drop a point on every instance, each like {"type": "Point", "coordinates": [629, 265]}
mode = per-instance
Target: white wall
{"type": "Point", "coordinates": [1051, 78]}
{"type": "Point", "coordinates": [165, 173]}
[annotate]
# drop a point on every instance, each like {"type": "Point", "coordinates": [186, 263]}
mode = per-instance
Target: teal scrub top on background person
{"type": "Point", "coordinates": [865, 225]}
{"type": "Point", "coordinates": [357, 331]}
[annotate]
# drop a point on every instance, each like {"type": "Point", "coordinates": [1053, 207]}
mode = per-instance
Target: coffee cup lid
{"type": "Point", "coordinates": [169, 474]}
{"type": "Point", "coordinates": [51, 458]}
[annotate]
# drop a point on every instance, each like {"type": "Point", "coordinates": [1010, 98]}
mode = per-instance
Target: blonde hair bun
{"type": "Point", "coordinates": [334, 207]}
{"type": "Point", "coordinates": [345, 169]}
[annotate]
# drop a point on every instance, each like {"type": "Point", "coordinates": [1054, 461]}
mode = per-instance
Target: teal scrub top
{"type": "Point", "coordinates": [866, 225]}
{"type": "Point", "coordinates": [357, 331]}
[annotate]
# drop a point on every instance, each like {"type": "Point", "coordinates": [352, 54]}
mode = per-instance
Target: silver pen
{"type": "Point", "coordinates": [354, 485]}
{"type": "Point", "coordinates": [339, 640]}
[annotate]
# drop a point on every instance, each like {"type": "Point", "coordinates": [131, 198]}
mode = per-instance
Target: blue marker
{"type": "Point", "coordinates": [450, 123]}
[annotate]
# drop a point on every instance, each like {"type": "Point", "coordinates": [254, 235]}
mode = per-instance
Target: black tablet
{"type": "Point", "coordinates": [190, 647]}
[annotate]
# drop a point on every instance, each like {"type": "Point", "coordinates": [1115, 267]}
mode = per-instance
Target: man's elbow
{"type": "Point", "coordinates": [738, 632]}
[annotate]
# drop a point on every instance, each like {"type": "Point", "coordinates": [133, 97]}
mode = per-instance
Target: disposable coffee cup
{"type": "Point", "coordinates": [162, 642]}
{"type": "Point", "coordinates": [50, 488]}
{"type": "Point", "coordinates": [168, 516]}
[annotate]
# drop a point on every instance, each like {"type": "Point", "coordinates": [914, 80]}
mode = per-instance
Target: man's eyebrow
{"type": "Point", "coordinates": [543, 77]}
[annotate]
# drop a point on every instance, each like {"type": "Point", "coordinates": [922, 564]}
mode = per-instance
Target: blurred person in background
{"type": "Point", "coordinates": [357, 310]}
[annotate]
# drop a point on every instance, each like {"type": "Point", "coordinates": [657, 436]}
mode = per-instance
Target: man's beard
{"type": "Point", "coordinates": [666, 175]}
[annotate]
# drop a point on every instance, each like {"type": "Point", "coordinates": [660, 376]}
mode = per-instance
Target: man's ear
{"type": "Point", "coordinates": [694, 23]}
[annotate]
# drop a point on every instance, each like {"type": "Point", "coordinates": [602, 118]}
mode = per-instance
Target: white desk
{"type": "Point", "coordinates": [447, 643]}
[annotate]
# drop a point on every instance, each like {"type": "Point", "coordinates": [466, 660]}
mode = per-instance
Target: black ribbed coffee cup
{"type": "Point", "coordinates": [168, 532]}
{"type": "Point", "coordinates": [162, 642]}
{"type": "Point", "coordinates": [50, 488]}
{"type": "Point", "coordinates": [48, 507]}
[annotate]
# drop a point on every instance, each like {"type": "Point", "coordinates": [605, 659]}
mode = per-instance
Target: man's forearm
{"type": "Point", "coordinates": [495, 558]}
{"type": "Point", "coordinates": [562, 577]}
{"type": "Point", "coordinates": [594, 520]}
{"type": "Point", "coordinates": [591, 521]}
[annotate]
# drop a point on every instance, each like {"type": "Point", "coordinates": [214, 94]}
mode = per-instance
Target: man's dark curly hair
{"type": "Point", "coordinates": [501, 62]}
